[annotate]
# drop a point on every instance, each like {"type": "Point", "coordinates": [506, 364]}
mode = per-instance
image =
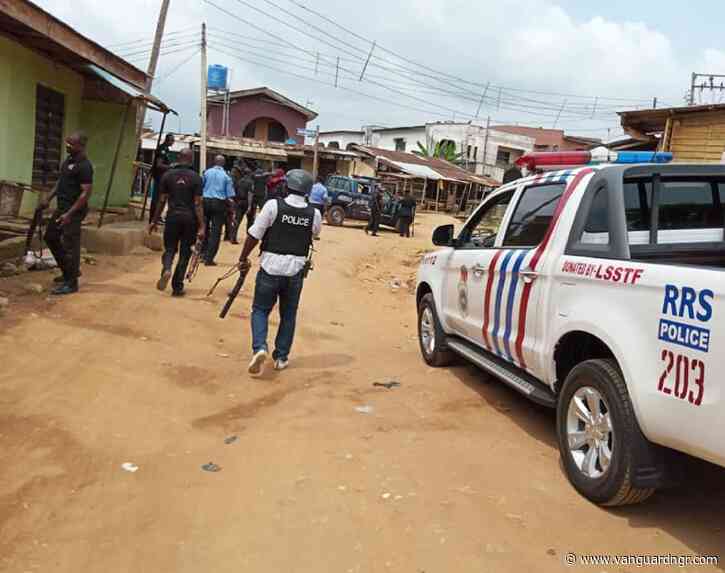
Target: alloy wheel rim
{"type": "Point", "coordinates": [590, 436]}
{"type": "Point", "coordinates": [427, 331]}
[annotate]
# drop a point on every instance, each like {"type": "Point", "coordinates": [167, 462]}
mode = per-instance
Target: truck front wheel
{"type": "Point", "coordinates": [430, 334]}
{"type": "Point", "coordinates": [596, 431]}
{"type": "Point", "coordinates": [336, 216]}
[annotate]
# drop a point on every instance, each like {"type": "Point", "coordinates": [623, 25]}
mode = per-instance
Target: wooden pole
{"type": "Point", "coordinates": [316, 158]}
{"type": "Point", "coordinates": [204, 91]}
{"type": "Point", "coordinates": [153, 165]}
{"type": "Point", "coordinates": [124, 122]}
{"type": "Point", "coordinates": [153, 62]}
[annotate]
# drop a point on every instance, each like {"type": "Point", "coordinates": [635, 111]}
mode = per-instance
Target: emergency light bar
{"type": "Point", "coordinates": [543, 160]}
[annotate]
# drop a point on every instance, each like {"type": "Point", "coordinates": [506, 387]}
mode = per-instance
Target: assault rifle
{"type": "Point", "coordinates": [195, 261]}
{"type": "Point", "coordinates": [36, 223]}
{"type": "Point", "coordinates": [235, 291]}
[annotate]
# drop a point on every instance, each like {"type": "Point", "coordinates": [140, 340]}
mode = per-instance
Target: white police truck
{"type": "Point", "coordinates": [595, 286]}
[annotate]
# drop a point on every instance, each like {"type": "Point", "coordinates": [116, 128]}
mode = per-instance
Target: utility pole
{"type": "Point", "coordinates": [315, 160]}
{"type": "Point", "coordinates": [151, 72]}
{"type": "Point", "coordinates": [204, 92]}
{"type": "Point", "coordinates": [485, 143]}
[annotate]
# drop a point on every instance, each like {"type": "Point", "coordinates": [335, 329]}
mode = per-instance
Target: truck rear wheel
{"type": "Point", "coordinates": [336, 216]}
{"type": "Point", "coordinates": [430, 334]}
{"type": "Point", "coordinates": [596, 429]}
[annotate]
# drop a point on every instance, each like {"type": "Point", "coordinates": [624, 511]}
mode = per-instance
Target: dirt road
{"type": "Point", "coordinates": [450, 472]}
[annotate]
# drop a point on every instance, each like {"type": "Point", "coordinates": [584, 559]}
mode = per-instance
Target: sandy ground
{"type": "Point", "coordinates": [449, 472]}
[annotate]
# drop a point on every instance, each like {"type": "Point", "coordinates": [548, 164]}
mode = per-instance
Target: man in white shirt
{"type": "Point", "coordinates": [286, 228]}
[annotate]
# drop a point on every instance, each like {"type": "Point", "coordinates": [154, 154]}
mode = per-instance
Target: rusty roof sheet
{"type": "Point", "coordinates": [445, 169]}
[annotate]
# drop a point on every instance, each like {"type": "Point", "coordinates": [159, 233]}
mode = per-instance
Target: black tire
{"type": "Point", "coordinates": [614, 487]}
{"type": "Point", "coordinates": [439, 355]}
{"type": "Point", "coordinates": [336, 216]}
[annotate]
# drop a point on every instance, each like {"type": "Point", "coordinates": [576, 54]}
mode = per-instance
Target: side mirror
{"type": "Point", "coordinates": [443, 236]}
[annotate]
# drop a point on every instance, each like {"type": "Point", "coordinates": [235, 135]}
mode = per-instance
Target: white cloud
{"type": "Point", "coordinates": [532, 44]}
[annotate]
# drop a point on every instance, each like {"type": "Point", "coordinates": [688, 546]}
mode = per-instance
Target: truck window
{"type": "Point", "coordinates": [483, 228]}
{"type": "Point", "coordinates": [638, 205]}
{"type": "Point", "coordinates": [596, 228]}
{"type": "Point", "coordinates": [689, 205]}
{"type": "Point", "coordinates": [533, 214]}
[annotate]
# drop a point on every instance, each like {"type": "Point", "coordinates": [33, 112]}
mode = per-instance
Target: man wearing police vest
{"type": "Point", "coordinates": [286, 228]}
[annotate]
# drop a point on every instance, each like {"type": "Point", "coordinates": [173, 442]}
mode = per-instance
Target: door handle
{"type": "Point", "coordinates": [479, 270]}
{"type": "Point", "coordinates": [529, 276]}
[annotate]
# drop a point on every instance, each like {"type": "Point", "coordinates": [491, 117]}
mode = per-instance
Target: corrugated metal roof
{"type": "Point", "coordinates": [447, 171]}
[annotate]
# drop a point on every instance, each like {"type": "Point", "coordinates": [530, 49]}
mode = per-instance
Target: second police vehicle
{"type": "Point", "coordinates": [595, 286]}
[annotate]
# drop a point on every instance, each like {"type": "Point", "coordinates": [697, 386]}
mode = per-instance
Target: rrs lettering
{"type": "Point", "coordinates": [296, 220]}
{"type": "Point", "coordinates": [609, 273]}
{"type": "Point", "coordinates": [686, 302]}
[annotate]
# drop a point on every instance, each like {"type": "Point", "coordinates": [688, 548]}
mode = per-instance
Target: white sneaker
{"type": "Point", "coordinates": [281, 364]}
{"type": "Point", "coordinates": [256, 366]}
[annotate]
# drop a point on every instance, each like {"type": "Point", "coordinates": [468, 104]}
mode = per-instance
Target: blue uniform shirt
{"type": "Point", "coordinates": [318, 195]}
{"type": "Point", "coordinates": [217, 184]}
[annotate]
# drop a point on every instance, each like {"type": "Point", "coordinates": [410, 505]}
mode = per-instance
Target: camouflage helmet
{"type": "Point", "coordinates": [299, 181]}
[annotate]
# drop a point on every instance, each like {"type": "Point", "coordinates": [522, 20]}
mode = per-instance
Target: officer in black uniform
{"type": "Point", "coordinates": [63, 235]}
{"type": "Point", "coordinates": [286, 228]}
{"type": "Point", "coordinates": [181, 186]}
{"type": "Point", "coordinates": [163, 163]}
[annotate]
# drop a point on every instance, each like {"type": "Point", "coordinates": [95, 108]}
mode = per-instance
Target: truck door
{"type": "Point", "coordinates": [520, 285]}
{"type": "Point", "coordinates": [468, 270]}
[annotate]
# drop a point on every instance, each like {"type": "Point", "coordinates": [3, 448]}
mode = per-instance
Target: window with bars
{"type": "Point", "coordinates": [49, 121]}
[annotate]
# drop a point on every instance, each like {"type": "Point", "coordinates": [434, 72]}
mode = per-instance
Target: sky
{"type": "Point", "coordinates": [568, 64]}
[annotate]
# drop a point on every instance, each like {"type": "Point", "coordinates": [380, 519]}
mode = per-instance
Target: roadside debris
{"type": "Point", "coordinates": [389, 385]}
{"type": "Point", "coordinates": [211, 467]}
{"type": "Point", "coordinates": [222, 355]}
{"type": "Point", "coordinates": [33, 288]}
{"type": "Point", "coordinates": [386, 496]}
{"type": "Point", "coordinates": [231, 440]}
{"type": "Point", "coordinates": [364, 409]}
{"type": "Point", "coordinates": [129, 467]}
{"type": "Point", "coordinates": [4, 301]}
{"type": "Point", "coordinates": [8, 270]}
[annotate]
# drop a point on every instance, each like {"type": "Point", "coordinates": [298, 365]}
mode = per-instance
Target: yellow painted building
{"type": "Point", "coordinates": [694, 134]}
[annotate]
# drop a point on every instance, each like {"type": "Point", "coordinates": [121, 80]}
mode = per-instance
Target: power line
{"type": "Point", "coordinates": [178, 67]}
{"type": "Point", "coordinates": [170, 44]}
{"type": "Point", "coordinates": [150, 41]}
{"type": "Point", "coordinates": [510, 104]}
{"type": "Point", "coordinates": [477, 84]}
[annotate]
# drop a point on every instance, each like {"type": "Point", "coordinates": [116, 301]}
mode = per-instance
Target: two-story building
{"type": "Point", "coordinates": [485, 152]}
{"type": "Point", "coordinates": [259, 113]}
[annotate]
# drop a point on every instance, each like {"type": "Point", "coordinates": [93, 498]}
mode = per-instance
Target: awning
{"type": "Point", "coordinates": [239, 148]}
{"type": "Point", "coordinates": [422, 171]}
{"type": "Point", "coordinates": [130, 90]}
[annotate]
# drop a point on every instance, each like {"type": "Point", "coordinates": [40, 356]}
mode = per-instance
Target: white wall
{"type": "Point", "coordinates": [342, 138]}
{"type": "Point", "coordinates": [462, 134]}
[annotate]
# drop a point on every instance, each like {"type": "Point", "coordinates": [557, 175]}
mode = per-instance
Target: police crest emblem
{"type": "Point", "coordinates": [463, 291]}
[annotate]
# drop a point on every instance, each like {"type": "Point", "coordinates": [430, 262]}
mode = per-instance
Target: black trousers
{"type": "Point", "coordinates": [215, 214]}
{"type": "Point", "coordinates": [179, 236]}
{"type": "Point", "coordinates": [240, 211]}
{"type": "Point", "coordinates": [374, 222]}
{"type": "Point", "coordinates": [404, 223]}
{"type": "Point", "coordinates": [65, 244]}
{"type": "Point", "coordinates": [154, 199]}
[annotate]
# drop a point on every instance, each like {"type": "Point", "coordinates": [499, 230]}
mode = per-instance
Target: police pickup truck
{"type": "Point", "coordinates": [595, 286]}
{"type": "Point", "coordinates": [349, 198]}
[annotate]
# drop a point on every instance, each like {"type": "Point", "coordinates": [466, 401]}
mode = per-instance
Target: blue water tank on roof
{"type": "Point", "coordinates": [217, 77]}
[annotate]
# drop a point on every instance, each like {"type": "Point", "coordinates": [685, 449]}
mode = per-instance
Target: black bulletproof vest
{"type": "Point", "coordinates": [291, 232]}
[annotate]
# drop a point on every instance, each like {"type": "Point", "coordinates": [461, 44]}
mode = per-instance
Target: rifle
{"type": "Point", "coordinates": [36, 223]}
{"type": "Point", "coordinates": [195, 262]}
{"type": "Point", "coordinates": [234, 292]}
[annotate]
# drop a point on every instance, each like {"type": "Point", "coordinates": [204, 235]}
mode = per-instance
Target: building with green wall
{"type": "Point", "coordinates": [53, 81]}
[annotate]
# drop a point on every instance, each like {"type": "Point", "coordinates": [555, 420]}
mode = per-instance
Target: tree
{"type": "Point", "coordinates": [445, 149]}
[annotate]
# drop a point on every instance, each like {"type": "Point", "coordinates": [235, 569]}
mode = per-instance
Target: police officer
{"type": "Point", "coordinates": [181, 186]}
{"type": "Point", "coordinates": [286, 228]}
{"type": "Point", "coordinates": [63, 235]}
